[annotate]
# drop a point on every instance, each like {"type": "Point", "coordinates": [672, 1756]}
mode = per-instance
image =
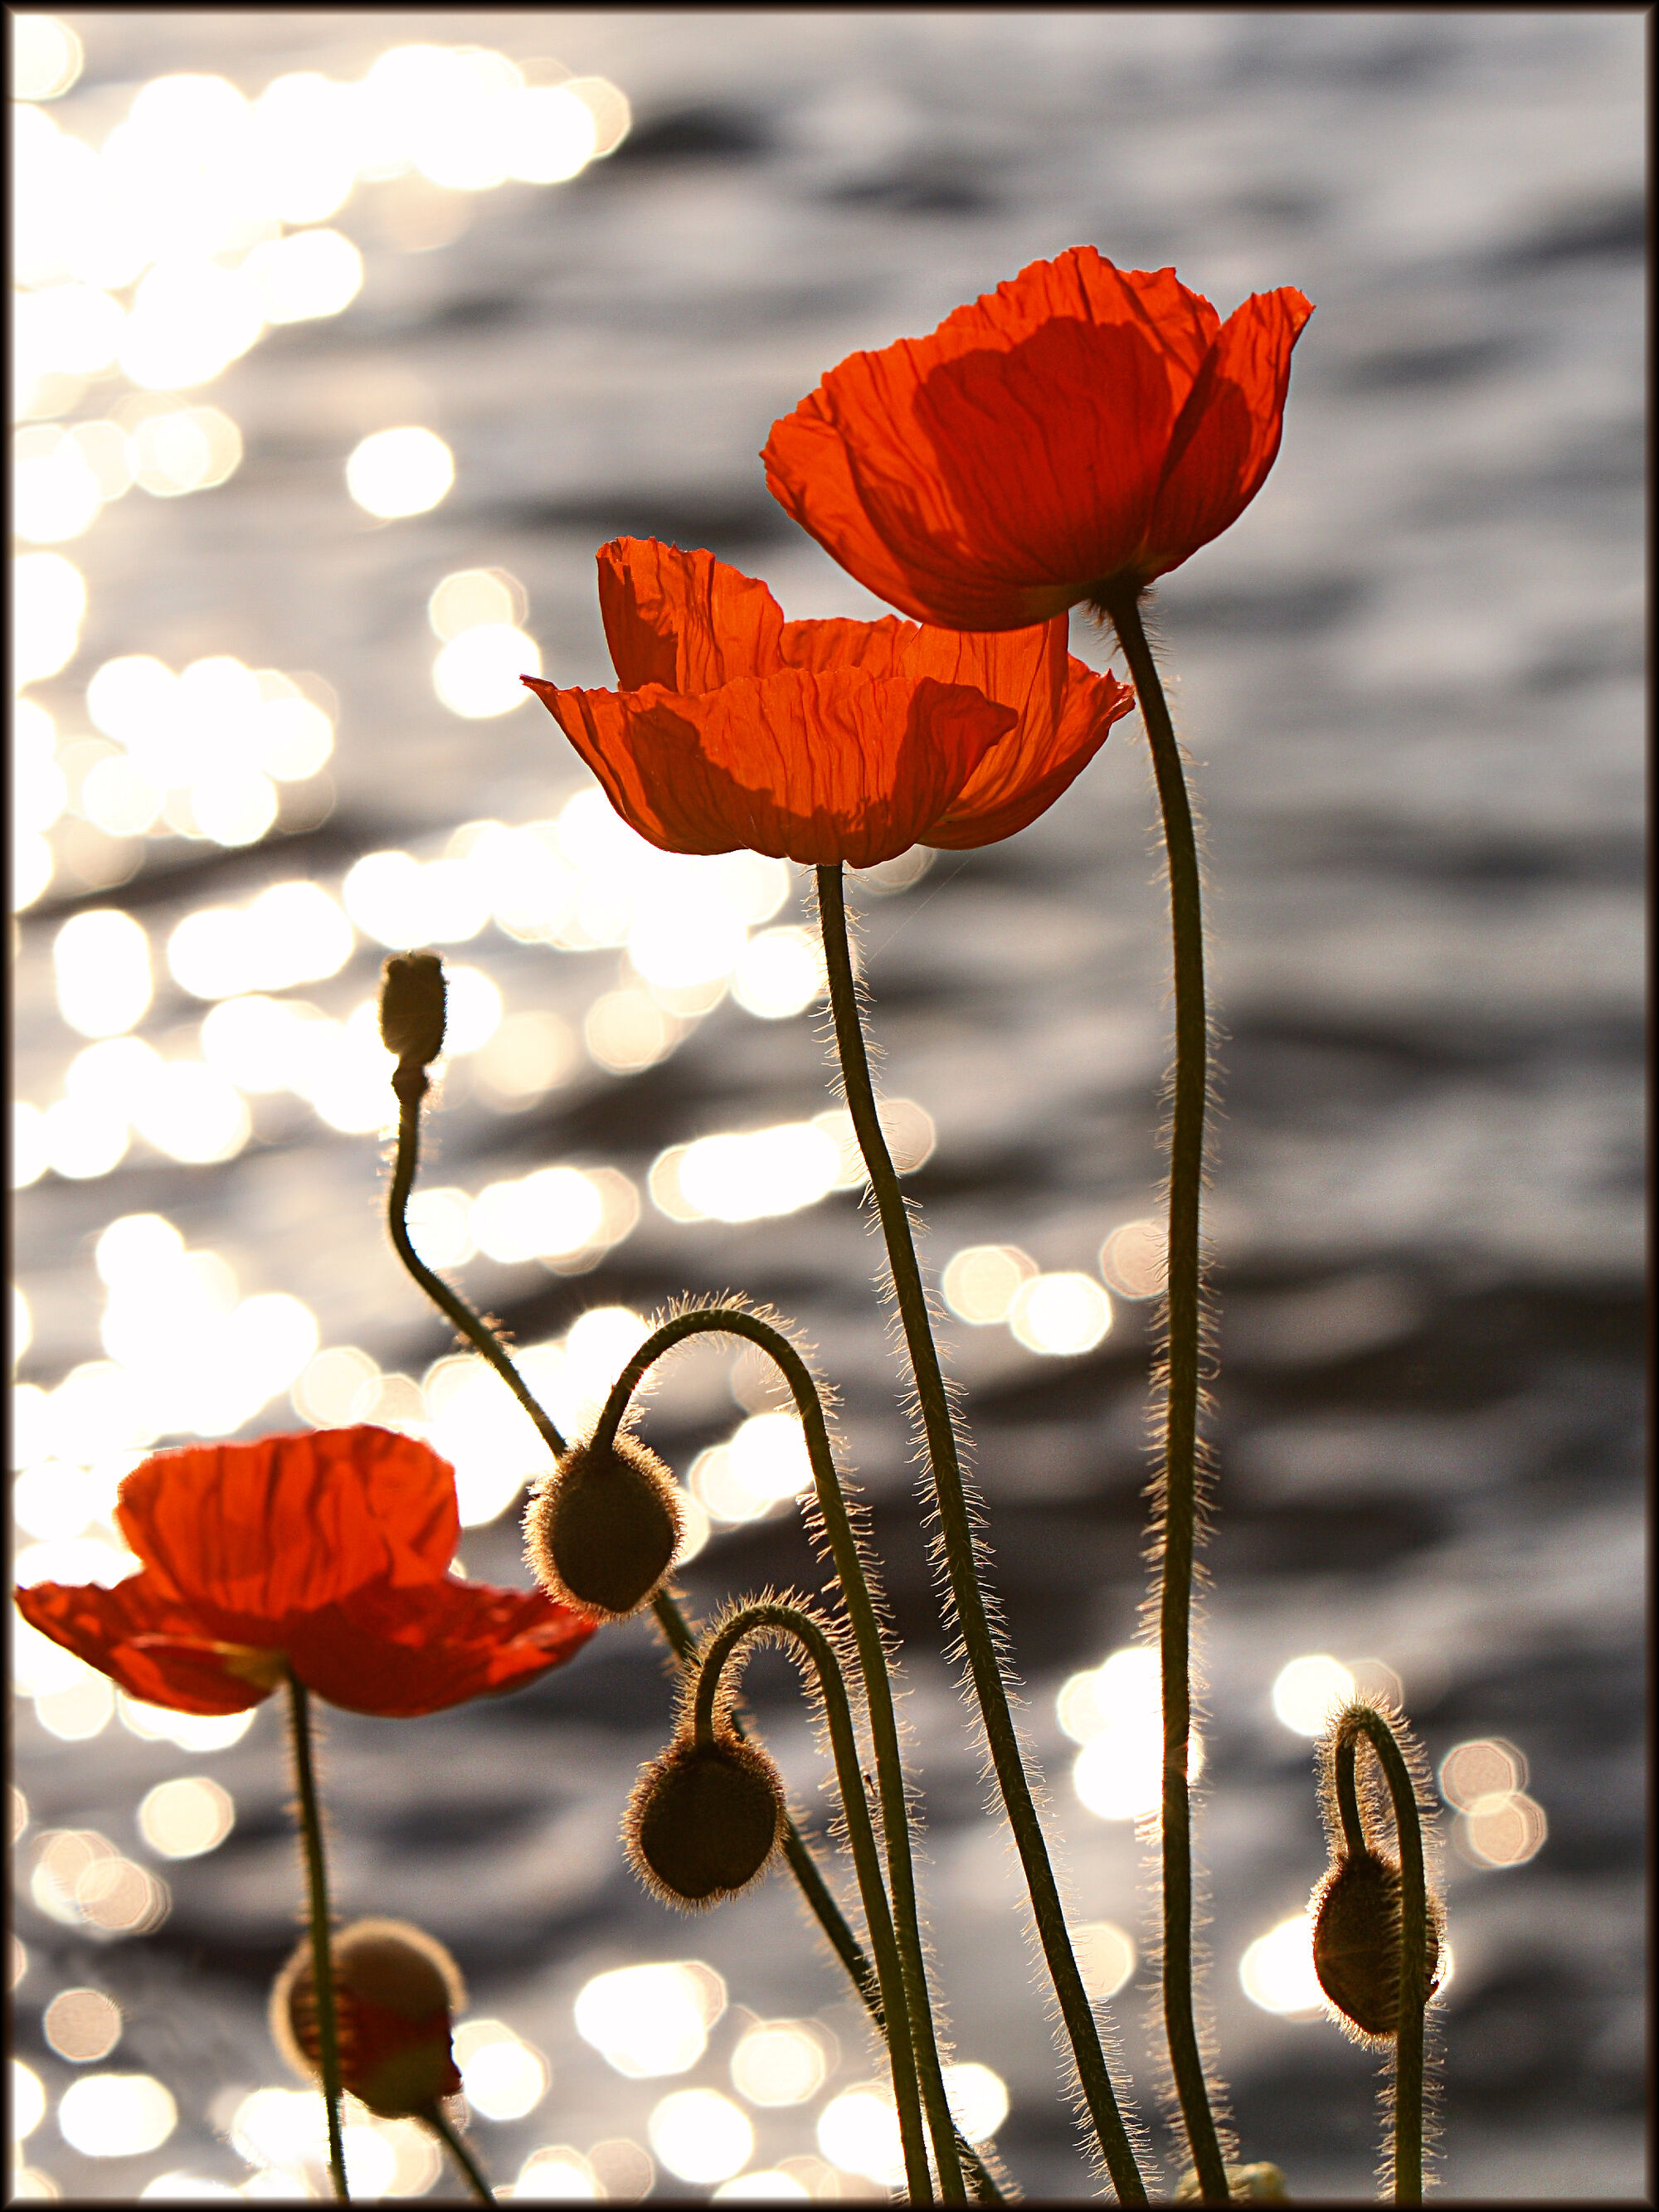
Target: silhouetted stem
{"type": "Point", "coordinates": [1364, 1721]}
{"type": "Point", "coordinates": [794, 1621]}
{"type": "Point", "coordinates": [460, 2151]}
{"type": "Point", "coordinates": [1182, 1310]}
{"type": "Point", "coordinates": [411, 1085]}
{"type": "Point", "coordinates": [961, 1561]}
{"type": "Point", "coordinates": [735, 1321]}
{"type": "Point", "coordinates": [322, 1949]}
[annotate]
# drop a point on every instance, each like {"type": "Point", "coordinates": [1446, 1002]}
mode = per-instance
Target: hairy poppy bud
{"type": "Point", "coordinates": [1259, 2183]}
{"type": "Point", "coordinates": [1356, 1945]}
{"type": "Point", "coordinates": [601, 1531]}
{"type": "Point", "coordinates": [703, 1820]}
{"type": "Point", "coordinates": [412, 993]}
{"type": "Point", "coordinates": [395, 1989]}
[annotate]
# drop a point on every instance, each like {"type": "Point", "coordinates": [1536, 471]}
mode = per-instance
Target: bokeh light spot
{"type": "Point", "coordinates": [81, 2025]}
{"type": "Point", "coordinates": [400, 472]}
{"type": "Point", "coordinates": [1277, 1971]}
{"type": "Point", "coordinates": [1308, 1690]}
{"type": "Point", "coordinates": [981, 1283]}
{"type": "Point", "coordinates": [116, 2115]}
{"type": "Point", "coordinates": [700, 2135]}
{"type": "Point", "coordinates": [186, 1817]}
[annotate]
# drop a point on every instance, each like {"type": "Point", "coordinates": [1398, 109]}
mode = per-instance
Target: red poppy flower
{"type": "Point", "coordinates": [326, 1553]}
{"type": "Point", "coordinates": [1073, 434]}
{"type": "Point", "coordinates": [820, 741]}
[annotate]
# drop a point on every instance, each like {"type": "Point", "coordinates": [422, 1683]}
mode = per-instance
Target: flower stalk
{"type": "Point", "coordinates": [1178, 1491]}
{"type": "Point", "coordinates": [1419, 1932]}
{"type": "Point", "coordinates": [797, 1623]}
{"type": "Point", "coordinates": [953, 2152]}
{"type": "Point", "coordinates": [847, 1555]}
{"type": "Point", "coordinates": [460, 2151]}
{"type": "Point", "coordinates": [322, 1963]}
{"type": "Point", "coordinates": [962, 1552]}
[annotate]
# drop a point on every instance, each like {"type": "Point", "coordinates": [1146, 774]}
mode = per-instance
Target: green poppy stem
{"type": "Point", "coordinates": [1358, 1721]}
{"type": "Point", "coordinates": [962, 1553]}
{"type": "Point", "coordinates": [795, 1622]}
{"type": "Point", "coordinates": [460, 2151]}
{"type": "Point", "coordinates": [411, 1085]}
{"type": "Point", "coordinates": [859, 1600]}
{"type": "Point", "coordinates": [322, 1954]}
{"type": "Point", "coordinates": [1183, 1318]}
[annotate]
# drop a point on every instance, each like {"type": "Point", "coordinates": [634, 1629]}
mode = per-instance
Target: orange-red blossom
{"type": "Point", "coordinates": [326, 1555]}
{"type": "Point", "coordinates": [820, 742]}
{"type": "Point", "coordinates": [1069, 436]}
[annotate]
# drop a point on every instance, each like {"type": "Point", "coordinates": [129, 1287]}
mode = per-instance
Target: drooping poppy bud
{"type": "Point", "coordinates": [601, 1531]}
{"type": "Point", "coordinates": [1356, 1945]}
{"type": "Point", "coordinates": [1259, 2183]}
{"type": "Point", "coordinates": [412, 996]}
{"type": "Point", "coordinates": [395, 1993]}
{"type": "Point", "coordinates": [704, 1820]}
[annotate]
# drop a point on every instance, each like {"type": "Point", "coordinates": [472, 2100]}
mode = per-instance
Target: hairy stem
{"type": "Point", "coordinates": [963, 1564]}
{"type": "Point", "coordinates": [460, 2151]}
{"type": "Point", "coordinates": [795, 1622]}
{"type": "Point", "coordinates": [735, 1321]}
{"type": "Point", "coordinates": [1363, 1720]}
{"type": "Point", "coordinates": [1184, 1303]}
{"type": "Point", "coordinates": [322, 1949]}
{"type": "Point", "coordinates": [410, 1083]}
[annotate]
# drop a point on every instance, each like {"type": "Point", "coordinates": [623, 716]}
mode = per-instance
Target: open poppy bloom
{"type": "Point", "coordinates": [326, 1554]}
{"type": "Point", "coordinates": [1069, 436]}
{"type": "Point", "coordinates": [820, 742]}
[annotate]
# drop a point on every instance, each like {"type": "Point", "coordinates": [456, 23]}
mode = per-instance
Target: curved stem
{"type": "Point", "coordinates": [734, 1321]}
{"type": "Point", "coordinates": [794, 1620]}
{"type": "Point", "coordinates": [411, 1087]}
{"type": "Point", "coordinates": [460, 2151]}
{"type": "Point", "coordinates": [961, 1554]}
{"type": "Point", "coordinates": [1364, 1721]}
{"type": "Point", "coordinates": [322, 1954]}
{"type": "Point", "coordinates": [1183, 1308]}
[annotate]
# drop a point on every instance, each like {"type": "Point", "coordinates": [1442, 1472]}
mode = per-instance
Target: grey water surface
{"type": "Point", "coordinates": [1410, 683]}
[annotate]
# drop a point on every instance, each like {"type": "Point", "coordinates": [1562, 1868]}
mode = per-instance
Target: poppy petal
{"type": "Point", "coordinates": [383, 1651]}
{"type": "Point", "coordinates": [291, 1523]}
{"type": "Point", "coordinates": [1234, 421]}
{"type": "Point", "coordinates": [816, 769]}
{"type": "Point", "coordinates": [683, 619]}
{"type": "Point", "coordinates": [1017, 781]}
{"type": "Point", "coordinates": [142, 1639]}
{"type": "Point", "coordinates": [886, 647]}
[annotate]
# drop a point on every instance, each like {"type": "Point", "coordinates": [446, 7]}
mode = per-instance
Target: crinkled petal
{"type": "Point", "coordinates": [400, 1653]}
{"type": "Point", "coordinates": [816, 769]}
{"type": "Point", "coordinates": [152, 1647]}
{"type": "Point", "coordinates": [886, 647]}
{"type": "Point", "coordinates": [291, 1523]}
{"type": "Point", "coordinates": [1018, 780]}
{"type": "Point", "coordinates": [683, 619]}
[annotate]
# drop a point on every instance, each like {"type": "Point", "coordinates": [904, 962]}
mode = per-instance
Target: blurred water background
{"type": "Point", "coordinates": [272, 724]}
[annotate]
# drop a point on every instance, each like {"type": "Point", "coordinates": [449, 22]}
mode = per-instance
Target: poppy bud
{"type": "Point", "coordinates": [703, 1821]}
{"type": "Point", "coordinates": [412, 993]}
{"type": "Point", "coordinates": [394, 1992]}
{"type": "Point", "coordinates": [601, 1531]}
{"type": "Point", "coordinates": [1356, 1945]}
{"type": "Point", "coordinates": [1259, 2183]}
